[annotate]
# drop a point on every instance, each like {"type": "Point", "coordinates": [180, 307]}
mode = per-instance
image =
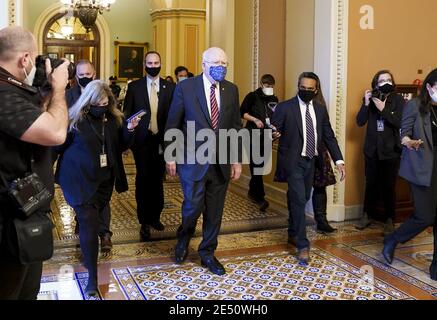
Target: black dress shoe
{"type": "Point", "coordinates": [264, 205]}
{"type": "Point", "coordinates": [145, 233]}
{"type": "Point", "coordinates": [389, 249]}
{"type": "Point", "coordinates": [158, 226]}
{"type": "Point", "coordinates": [325, 228]}
{"type": "Point", "coordinates": [214, 266]}
{"type": "Point", "coordinates": [433, 270]}
{"type": "Point", "coordinates": [181, 251]}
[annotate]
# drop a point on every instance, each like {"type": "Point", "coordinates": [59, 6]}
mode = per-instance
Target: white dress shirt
{"type": "Point", "coordinates": [303, 110]}
{"type": "Point", "coordinates": [207, 87]}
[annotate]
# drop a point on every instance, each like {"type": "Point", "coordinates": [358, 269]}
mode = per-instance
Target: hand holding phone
{"type": "Point", "coordinates": [137, 115]}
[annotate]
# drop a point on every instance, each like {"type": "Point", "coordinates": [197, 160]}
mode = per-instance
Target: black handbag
{"type": "Point", "coordinates": [30, 240]}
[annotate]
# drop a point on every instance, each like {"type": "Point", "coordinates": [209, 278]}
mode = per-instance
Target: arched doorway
{"type": "Point", "coordinates": [66, 37]}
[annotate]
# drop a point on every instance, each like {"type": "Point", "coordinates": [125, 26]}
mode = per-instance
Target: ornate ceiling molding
{"type": "Point", "coordinates": [178, 13]}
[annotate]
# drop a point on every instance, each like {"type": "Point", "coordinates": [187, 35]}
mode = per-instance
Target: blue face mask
{"type": "Point", "coordinates": [218, 73]}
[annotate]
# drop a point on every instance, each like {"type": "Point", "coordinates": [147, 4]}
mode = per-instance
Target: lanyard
{"type": "Point", "coordinates": [435, 117]}
{"type": "Point", "coordinates": [102, 137]}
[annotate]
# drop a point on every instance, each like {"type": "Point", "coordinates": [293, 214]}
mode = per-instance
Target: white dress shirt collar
{"type": "Point", "coordinates": [207, 88]}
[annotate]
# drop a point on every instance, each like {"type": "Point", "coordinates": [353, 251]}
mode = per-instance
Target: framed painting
{"type": "Point", "coordinates": [128, 63]}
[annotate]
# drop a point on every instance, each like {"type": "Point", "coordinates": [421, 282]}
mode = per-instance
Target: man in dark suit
{"type": "Point", "coordinates": [209, 103]}
{"type": "Point", "coordinates": [85, 73]}
{"type": "Point", "coordinates": [304, 125]}
{"type": "Point", "coordinates": [152, 94]}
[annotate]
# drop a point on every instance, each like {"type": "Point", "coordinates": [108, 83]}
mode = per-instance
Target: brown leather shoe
{"type": "Point", "coordinates": [105, 243]}
{"type": "Point", "coordinates": [303, 256]}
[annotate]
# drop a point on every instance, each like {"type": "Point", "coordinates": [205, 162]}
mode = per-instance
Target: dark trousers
{"type": "Point", "coordinates": [208, 197]}
{"type": "Point", "coordinates": [319, 200]}
{"type": "Point", "coordinates": [381, 178]}
{"type": "Point", "coordinates": [300, 184]}
{"type": "Point", "coordinates": [425, 211]}
{"type": "Point", "coordinates": [256, 185]}
{"type": "Point", "coordinates": [104, 221]}
{"type": "Point", "coordinates": [88, 216]}
{"type": "Point", "coordinates": [17, 281]}
{"type": "Point", "coordinates": [149, 192]}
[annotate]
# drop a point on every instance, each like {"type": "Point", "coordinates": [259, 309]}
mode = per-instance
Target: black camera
{"type": "Point", "coordinates": [376, 93]}
{"type": "Point", "coordinates": [40, 80]}
{"type": "Point", "coordinates": [29, 194]}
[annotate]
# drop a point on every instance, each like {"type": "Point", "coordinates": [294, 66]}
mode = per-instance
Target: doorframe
{"type": "Point", "coordinates": [101, 24]}
{"type": "Point", "coordinates": [76, 43]}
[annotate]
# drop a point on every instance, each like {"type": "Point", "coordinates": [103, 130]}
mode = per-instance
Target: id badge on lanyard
{"type": "Point", "coordinates": [380, 125]}
{"type": "Point", "coordinates": [103, 160]}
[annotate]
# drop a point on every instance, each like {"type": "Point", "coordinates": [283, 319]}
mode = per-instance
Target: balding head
{"type": "Point", "coordinates": [214, 54]}
{"type": "Point", "coordinates": [15, 41]}
{"type": "Point", "coordinates": [213, 57]}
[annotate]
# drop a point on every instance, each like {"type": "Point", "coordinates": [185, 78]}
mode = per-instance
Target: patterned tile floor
{"type": "Point", "coordinates": [253, 247]}
{"type": "Point", "coordinates": [260, 265]}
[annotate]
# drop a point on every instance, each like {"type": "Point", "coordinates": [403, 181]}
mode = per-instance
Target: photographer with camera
{"type": "Point", "coordinates": [382, 112]}
{"type": "Point", "coordinates": [256, 110]}
{"type": "Point", "coordinates": [27, 128]}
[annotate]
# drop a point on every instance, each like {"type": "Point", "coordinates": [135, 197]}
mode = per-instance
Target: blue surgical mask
{"type": "Point", "coordinates": [218, 73]}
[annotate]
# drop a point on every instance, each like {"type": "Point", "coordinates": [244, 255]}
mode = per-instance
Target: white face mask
{"type": "Point", "coordinates": [433, 95]}
{"type": "Point", "coordinates": [31, 75]}
{"type": "Point", "coordinates": [269, 91]}
{"type": "Point", "coordinates": [180, 79]}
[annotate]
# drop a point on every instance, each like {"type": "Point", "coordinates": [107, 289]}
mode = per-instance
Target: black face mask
{"type": "Point", "coordinates": [98, 111]}
{"type": "Point", "coordinates": [84, 81]}
{"type": "Point", "coordinates": [153, 72]}
{"type": "Point", "coordinates": [387, 88]}
{"type": "Point", "coordinates": [307, 95]}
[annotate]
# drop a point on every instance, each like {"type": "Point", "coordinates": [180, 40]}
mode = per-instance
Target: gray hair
{"type": "Point", "coordinates": [14, 40]}
{"type": "Point", "coordinates": [91, 95]}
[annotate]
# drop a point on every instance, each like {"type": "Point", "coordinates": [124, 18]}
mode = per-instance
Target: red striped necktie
{"type": "Point", "coordinates": [214, 108]}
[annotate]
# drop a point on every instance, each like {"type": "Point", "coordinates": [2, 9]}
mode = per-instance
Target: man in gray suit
{"type": "Point", "coordinates": [419, 168]}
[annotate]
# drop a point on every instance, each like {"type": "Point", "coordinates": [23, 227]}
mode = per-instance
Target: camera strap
{"type": "Point", "coordinates": [7, 78]}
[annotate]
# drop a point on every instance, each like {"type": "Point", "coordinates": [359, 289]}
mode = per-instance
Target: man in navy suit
{"type": "Point", "coordinates": [304, 125]}
{"type": "Point", "coordinates": [212, 103]}
{"type": "Point", "coordinates": [152, 94]}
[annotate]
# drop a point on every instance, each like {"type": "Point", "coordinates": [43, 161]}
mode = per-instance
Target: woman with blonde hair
{"type": "Point", "coordinates": [90, 163]}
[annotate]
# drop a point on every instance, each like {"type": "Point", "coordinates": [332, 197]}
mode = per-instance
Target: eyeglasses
{"type": "Point", "coordinates": [385, 80]}
{"type": "Point", "coordinates": [217, 63]}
